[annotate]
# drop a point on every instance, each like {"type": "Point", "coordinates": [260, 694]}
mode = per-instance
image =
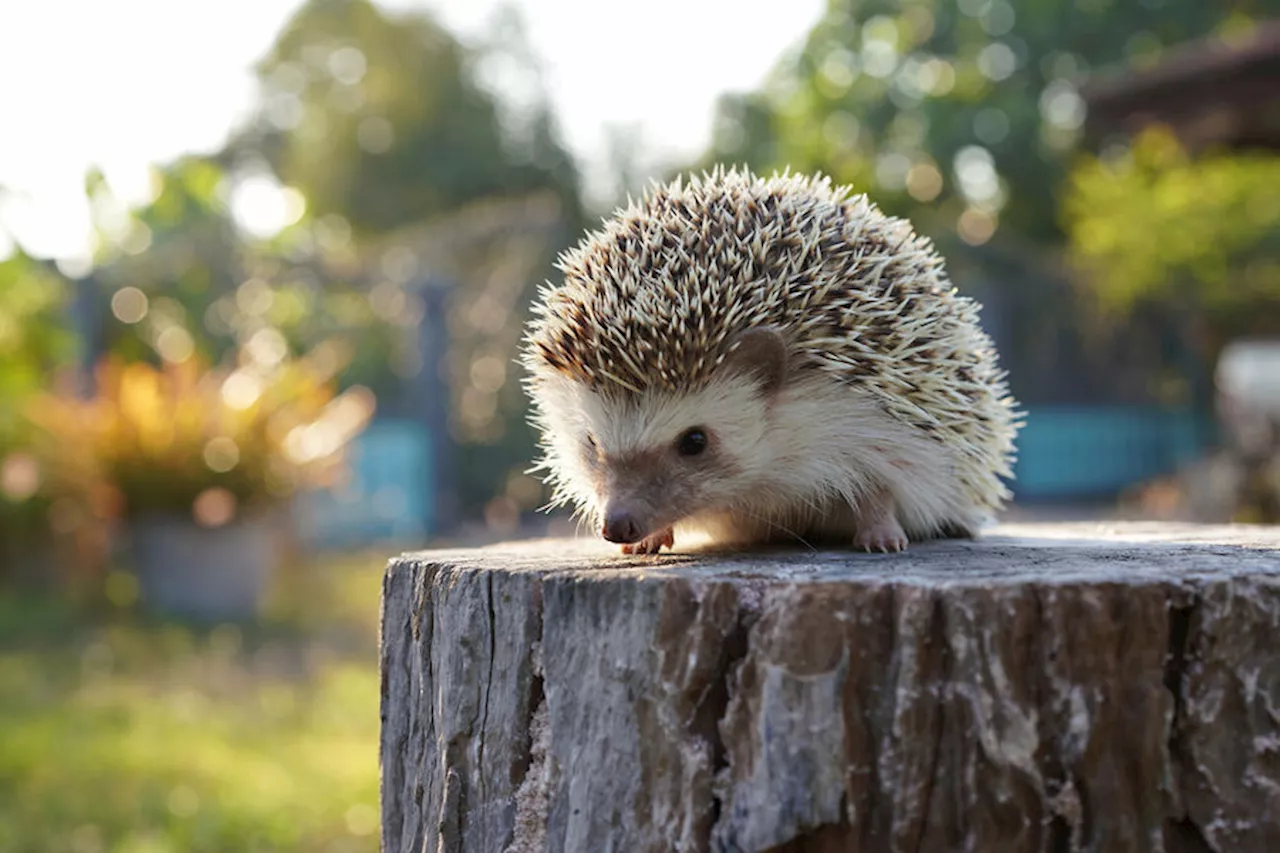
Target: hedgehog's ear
{"type": "Point", "coordinates": [760, 353]}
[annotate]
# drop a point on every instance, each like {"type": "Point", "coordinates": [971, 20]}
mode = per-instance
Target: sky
{"type": "Point", "coordinates": [129, 83]}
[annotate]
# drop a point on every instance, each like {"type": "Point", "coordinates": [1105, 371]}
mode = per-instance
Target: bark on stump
{"type": "Point", "coordinates": [1046, 688]}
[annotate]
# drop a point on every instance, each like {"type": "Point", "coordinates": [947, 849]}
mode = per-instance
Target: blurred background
{"type": "Point", "coordinates": [263, 270]}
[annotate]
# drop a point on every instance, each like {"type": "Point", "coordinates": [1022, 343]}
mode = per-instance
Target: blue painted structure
{"type": "Point", "coordinates": [1096, 451]}
{"type": "Point", "coordinates": [388, 498]}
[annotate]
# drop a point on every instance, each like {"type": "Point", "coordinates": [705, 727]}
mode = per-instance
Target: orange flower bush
{"type": "Point", "coordinates": [184, 438]}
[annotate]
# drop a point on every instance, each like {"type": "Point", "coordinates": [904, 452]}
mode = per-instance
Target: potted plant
{"type": "Point", "coordinates": [194, 465]}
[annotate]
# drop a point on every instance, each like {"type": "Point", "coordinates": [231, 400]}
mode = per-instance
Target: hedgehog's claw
{"type": "Point", "coordinates": [652, 544]}
{"type": "Point", "coordinates": [884, 535]}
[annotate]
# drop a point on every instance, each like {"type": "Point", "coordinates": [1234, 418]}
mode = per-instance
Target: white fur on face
{"type": "Point", "coordinates": [797, 461]}
{"type": "Point", "coordinates": [731, 410]}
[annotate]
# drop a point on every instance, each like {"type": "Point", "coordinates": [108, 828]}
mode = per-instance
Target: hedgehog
{"type": "Point", "coordinates": [762, 361]}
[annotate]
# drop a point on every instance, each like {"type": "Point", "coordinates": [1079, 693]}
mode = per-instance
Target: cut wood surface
{"type": "Point", "coordinates": [1044, 688]}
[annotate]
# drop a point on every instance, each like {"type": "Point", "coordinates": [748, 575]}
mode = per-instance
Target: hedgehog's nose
{"type": "Point", "coordinates": [621, 527]}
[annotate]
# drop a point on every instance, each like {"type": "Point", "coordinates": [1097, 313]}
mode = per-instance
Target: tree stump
{"type": "Point", "coordinates": [1044, 688]}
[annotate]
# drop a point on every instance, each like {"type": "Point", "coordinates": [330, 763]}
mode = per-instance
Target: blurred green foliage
{"type": "Point", "coordinates": [34, 340]}
{"type": "Point", "coordinates": [208, 290]}
{"type": "Point", "coordinates": [379, 119]}
{"type": "Point", "coordinates": [123, 736]}
{"type": "Point", "coordinates": [1149, 223]}
{"type": "Point", "coordinates": [938, 107]}
{"type": "Point", "coordinates": [34, 345]}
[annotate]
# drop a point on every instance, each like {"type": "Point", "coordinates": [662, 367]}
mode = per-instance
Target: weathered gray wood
{"type": "Point", "coordinates": [1061, 688]}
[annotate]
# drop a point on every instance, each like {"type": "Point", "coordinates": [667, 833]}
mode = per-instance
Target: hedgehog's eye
{"type": "Point", "coordinates": [591, 441]}
{"type": "Point", "coordinates": [692, 442]}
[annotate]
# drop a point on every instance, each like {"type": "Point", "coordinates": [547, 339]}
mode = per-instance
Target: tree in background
{"type": "Point", "coordinates": [178, 279]}
{"type": "Point", "coordinates": [380, 120]}
{"type": "Point", "coordinates": [1151, 226]}
{"type": "Point", "coordinates": [161, 266]}
{"type": "Point", "coordinates": [956, 113]}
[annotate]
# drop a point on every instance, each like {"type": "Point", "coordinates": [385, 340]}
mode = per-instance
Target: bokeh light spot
{"type": "Point", "coordinates": [333, 232]}
{"type": "Point", "coordinates": [175, 344]}
{"type": "Point", "coordinates": [241, 390]}
{"type": "Point", "coordinates": [267, 347]}
{"type": "Point", "coordinates": [400, 264]}
{"type": "Point", "coordinates": [937, 77]}
{"type": "Point", "coordinates": [523, 489]}
{"type": "Point", "coordinates": [289, 77]}
{"type": "Point", "coordinates": [129, 305]}
{"type": "Point", "coordinates": [997, 61]}
{"type": "Point", "coordinates": [387, 300]}
{"type": "Point", "coordinates": [837, 73]}
{"type": "Point", "coordinates": [975, 170]}
{"type": "Point", "coordinates": [263, 207]}
{"type": "Point", "coordinates": [285, 111]}
{"type": "Point", "coordinates": [891, 170]}
{"type": "Point", "coordinates": [997, 18]}
{"type": "Point", "coordinates": [924, 182]}
{"type": "Point", "coordinates": [879, 58]}
{"type": "Point", "coordinates": [214, 507]}
{"type": "Point", "coordinates": [137, 239]}
{"type": "Point", "coordinates": [502, 515]}
{"type": "Point", "coordinates": [347, 65]}
{"type": "Point", "coordinates": [19, 476]}
{"type": "Point", "coordinates": [1062, 106]}
{"type": "Point", "coordinates": [254, 297]}
{"type": "Point", "coordinates": [488, 373]}
{"type": "Point", "coordinates": [221, 454]}
{"type": "Point", "coordinates": [976, 227]}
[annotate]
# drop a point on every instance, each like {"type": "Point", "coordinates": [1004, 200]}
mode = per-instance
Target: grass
{"type": "Point", "coordinates": [121, 734]}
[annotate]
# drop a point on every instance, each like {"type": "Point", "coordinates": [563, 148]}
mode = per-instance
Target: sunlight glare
{"type": "Point", "coordinates": [262, 207]}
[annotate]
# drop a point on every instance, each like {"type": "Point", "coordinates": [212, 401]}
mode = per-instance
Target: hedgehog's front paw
{"type": "Point", "coordinates": [652, 544]}
{"type": "Point", "coordinates": [884, 534]}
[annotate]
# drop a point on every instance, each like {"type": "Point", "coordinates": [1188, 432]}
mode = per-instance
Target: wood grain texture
{"type": "Point", "coordinates": [1047, 689]}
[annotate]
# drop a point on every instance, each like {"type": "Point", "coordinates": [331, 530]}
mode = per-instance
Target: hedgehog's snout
{"type": "Point", "coordinates": [621, 527]}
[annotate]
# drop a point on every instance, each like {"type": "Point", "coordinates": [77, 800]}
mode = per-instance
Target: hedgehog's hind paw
{"type": "Point", "coordinates": [652, 544]}
{"type": "Point", "coordinates": [885, 536]}
{"type": "Point", "coordinates": [878, 528]}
